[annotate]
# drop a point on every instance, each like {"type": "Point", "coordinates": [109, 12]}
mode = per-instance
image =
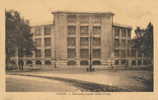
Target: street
{"type": "Point", "coordinates": [34, 84]}
{"type": "Point", "coordinates": [98, 81]}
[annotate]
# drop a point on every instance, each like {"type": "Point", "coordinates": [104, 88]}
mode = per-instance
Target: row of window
{"type": "Point", "coordinates": [38, 62]}
{"type": "Point", "coordinates": [83, 19]}
{"type": "Point", "coordinates": [121, 43]}
{"type": "Point", "coordinates": [134, 62]}
{"type": "Point", "coordinates": [84, 30]}
{"type": "Point", "coordinates": [84, 53]}
{"type": "Point", "coordinates": [84, 41]}
{"type": "Point", "coordinates": [47, 53]}
{"type": "Point", "coordinates": [38, 42]}
{"type": "Point", "coordinates": [38, 30]}
{"type": "Point", "coordinates": [122, 31]}
{"type": "Point", "coordinates": [84, 62]}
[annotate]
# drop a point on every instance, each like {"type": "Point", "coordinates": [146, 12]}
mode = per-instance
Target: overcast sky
{"type": "Point", "coordinates": [129, 12]}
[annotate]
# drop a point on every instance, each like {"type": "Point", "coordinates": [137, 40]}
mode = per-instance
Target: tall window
{"type": "Point", "coordinates": [96, 41]}
{"type": "Point", "coordinates": [38, 31]}
{"type": "Point", "coordinates": [97, 19]}
{"type": "Point", "coordinates": [38, 53]}
{"type": "Point", "coordinates": [116, 53]}
{"type": "Point", "coordinates": [71, 18]}
{"type": "Point", "coordinates": [96, 30]}
{"type": "Point", "coordinates": [83, 30]}
{"type": "Point", "coordinates": [47, 41]}
{"type": "Point", "coordinates": [47, 29]}
{"type": "Point", "coordinates": [84, 53]}
{"type": "Point", "coordinates": [123, 43]}
{"type": "Point", "coordinates": [117, 31]}
{"type": "Point", "coordinates": [71, 53]}
{"type": "Point", "coordinates": [71, 41]}
{"type": "Point", "coordinates": [96, 53]}
{"type": "Point", "coordinates": [84, 41]}
{"type": "Point", "coordinates": [47, 52]}
{"type": "Point", "coordinates": [38, 42]}
{"type": "Point", "coordinates": [117, 43]}
{"type": "Point", "coordinates": [123, 32]}
{"type": "Point", "coordinates": [71, 30]}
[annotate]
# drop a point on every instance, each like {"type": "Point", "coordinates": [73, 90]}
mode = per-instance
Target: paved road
{"type": "Point", "coordinates": [33, 84]}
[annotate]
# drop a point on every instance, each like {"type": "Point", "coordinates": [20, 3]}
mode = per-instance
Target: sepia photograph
{"type": "Point", "coordinates": [69, 46]}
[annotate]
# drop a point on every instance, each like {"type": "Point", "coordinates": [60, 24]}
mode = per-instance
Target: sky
{"type": "Point", "coordinates": [129, 12]}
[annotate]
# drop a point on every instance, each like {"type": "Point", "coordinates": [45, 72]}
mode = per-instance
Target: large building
{"type": "Point", "coordinates": [79, 39]}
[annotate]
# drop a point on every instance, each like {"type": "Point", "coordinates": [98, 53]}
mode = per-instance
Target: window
{"type": "Point", "coordinates": [123, 43]}
{"type": "Point", "coordinates": [29, 62]}
{"type": "Point", "coordinates": [123, 53]}
{"type": "Point", "coordinates": [116, 62]}
{"type": "Point", "coordinates": [38, 53]}
{"type": "Point", "coordinates": [117, 31]}
{"type": "Point", "coordinates": [83, 30]}
{"type": "Point", "coordinates": [123, 32]}
{"type": "Point", "coordinates": [47, 62]}
{"type": "Point", "coordinates": [96, 53]}
{"type": "Point", "coordinates": [47, 52]}
{"type": "Point", "coordinates": [96, 41]}
{"type": "Point", "coordinates": [71, 18]}
{"type": "Point", "coordinates": [71, 62]}
{"type": "Point", "coordinates": [116, 53]}
{"type": "Point", "coordinates": [117, 43]}
{"type": "Point", "coordinates": [71, 30]}
{"type": "Point", "coordinates": [133, 62]}
{"type": "Point", "coordinates": [37, 31]}
{"type": "Point", "coordinates": [123, 61]}
{"type": "Point", "coordinates": [71, 53]}
{"type": "Point", "coordinates": [84, 53]}
{"type": "Point", "coordinates": [129, 32]}
{"type": "Point", "coordinates": [47, 29]}
{"type": "Point", "coordinates": [38, 42]}
{"type": "Point", "coordinates": [84, 41]}
{"type": "Point", "coordinates": [84, 19]}
{"type": "Point", "coordinates": [97, 62]}
{"type": "Point", "coordinates": [96, 30]}
{"type": "Point", "coordinates": [133, 53]}
{"type": "Point", "coordinates": [47, 41]}
{"type": "Point", "coordinates": [84, 62]}
{"type": "Point", "coordinates": [38, 62]}
{"type": "Point", "coordinates": [97, 19]}
{"type": "Point", "coordinates": [71, 41]}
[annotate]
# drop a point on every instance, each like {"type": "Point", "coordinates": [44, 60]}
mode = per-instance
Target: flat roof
{"type": "Point", "coordinates": [82, 12]}
{"type": "Point", "coordinates": [122, 25]}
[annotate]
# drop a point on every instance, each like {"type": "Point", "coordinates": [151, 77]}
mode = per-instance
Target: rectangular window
{"type": "Point", "coordinates": [47, 29]}
{"type": "Point", "coordinates": [83, 30]}
{"type": "Point", "coordinates": [96, 29]}
{"type": "Point", "coordinates": [133, 53]}
{"type": "Point", "coordinates": [84, 19]}
{"type": "Point", "coordinates": [97, 19]}
{"type": "Point", "coordinates": [84, 53]}
{"type": "Point", "coordinates": [116, 53]}
{"type": "Point", "coordinates": [71, 18]}
{"type": "Point", "coordinates": [38, 53]}
{"type": "Point", "coordinates": [117, 43]}
{"type": "Point", "coordinates": [71, 53]}
{"type": "Point", "coordinates": [117, 32]}
{"type": "Point", "coordinates": [96, 53]}
{"type": "Point", "coordinates": [71, 30]}
{"type": "Point", "coordinates": [123, 53]}
{"type": "Point", "coordinates": [47, 41]}
{"type": "Point", "coordinates": [84, 41]}
{"type": "Point", "coordinates": [47, 52]}
{"type": "Point", "coordinates": [123, 43]}
{"type": "Point", "coordinates": [71, 41]}
{"type": "Point", "coordinates": [38, 31]}
{"type": "Point", "coordinates": [96, 41]}
{"type": "Point", "coordinates": [38, 42]}
{"type": "Point", "coordinates": [123, 31]}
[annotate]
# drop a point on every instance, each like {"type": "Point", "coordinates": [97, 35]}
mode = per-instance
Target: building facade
{"type": "Point", "coordinates": [79, 39]}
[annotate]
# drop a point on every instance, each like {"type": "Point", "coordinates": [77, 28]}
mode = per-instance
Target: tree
{"type": "Point", "coordinates": [18, 37]}
{"type": "Point", "coordinates": [144, 40]}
